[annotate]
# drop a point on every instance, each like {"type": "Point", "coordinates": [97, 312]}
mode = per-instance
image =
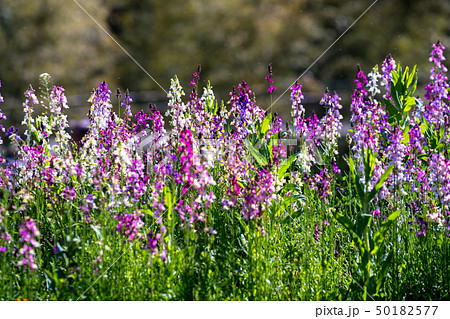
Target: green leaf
{"type": "Point", "coordinates": [422, 157]}
{"type": "Point", "coordinates": [168, 198]}
{"type": "Point", "coordinates": [362, 222]}
{"type": "Point", "coordinates": [265, 124]}
{"type": "Point", "coordinates": [355, 178]}
{"type": "Point", "coordinates": [369, 165]}
{"type": "Point", "coordinates": [396, 98]}
{"type": "Point", "coordinates": [380, 183]}
{"type": "Point", "coordinates": [405, 74]}
{"type": "Point", "coordinates": [346, 222]}
{"type": "Point", "coordinates": [97, 232]}
{"type": "Point", "coordinates": [412, 77]}
{"type": "Point", "coordinates": [392, 111]}
{"type": "Point", "coordinates": [49, 276]}
{"type": "Point", "coordinates": [358, 242]}
{"type": "Point", "coordinates": [409, 103]}
{"type": "Point", "coordinates": [378, 238]}
{"type": "Point", "coordinates": [386, 262]}
{"type": "Point", "coordinates": [256, 154]}
{"type": "Point", "coordinates": [406, 135]}
{"type": "Point", "coordinates": [35, 136]}
{"type": "Point", "coordinates": [424, 126]}
{"type": "Point", "coordinates": [291, 187]}
{"type": "Point", "coordinates": [441, 133]}
{"type": "Point", "coordinates": [285, 165]}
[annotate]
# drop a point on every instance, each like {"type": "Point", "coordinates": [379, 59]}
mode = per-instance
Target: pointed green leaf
{"type": "Point", "coordinates": [265, 124]}
{"type": "Point", "coordinates": [386, 262]}
{"type": "Point", "coordinates": [412, 77]}
{"type": "Point", "coordinates": [168, 199]}
{"type": "Point", "coordinates": [378, 238]}
{"type": "Point", "coordinates": [355, 178]}
{"type": "Point", "coordinates": [380, 183]}
{"type": "Point", "coordinates": [256, 154]}
{"type": "Point", "coordinates": [291, 187]}
{"type": "Point", "coordinates": [406, 135]}
{"type": "Point", "coordinates": [346, 222]}
{"type": "Point", "coordinates": [409, 103]}
{"type": "Point", "coordinates": [405, 74]}
{"type": "Point", "coordinates": [369, 165]}
{"type": "Point", "coordinates": [285, 165]}
{"type": "Point", "coordinates": [396, 98]}
{"type": "Point", "coordinates": [390, 107]}
{"type": "Point", "coordinates": [362, 222]}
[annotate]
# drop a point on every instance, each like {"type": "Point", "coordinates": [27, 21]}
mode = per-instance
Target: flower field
{"type": "Point", "coordinates": [223, 201]}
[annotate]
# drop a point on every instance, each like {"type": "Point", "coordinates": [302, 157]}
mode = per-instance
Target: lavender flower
{"type": "Point", "coordinates": [194, 176]}
{"type": "Point", "coordinates": [126, 104]}
{"type": "Point", "coordinates": [321, 182]}
{"type": "Point", "coordinates": [387, 67]}
{"type": "Point", "coordinates": [4, 236]}
{"type": "Point", "coordinates": [417, 141]}
{"type": "Point", "coordinates": [129, 224]}
{"type": "Point", "coordinates": [439, 178]}
{"type": "Point", "coordinates": [298, 111]}
{"type": "Point", "coordinates": [438, 107]}
{"type": "Point", "coordinates": [2, 117]}
{"type": "Point", "coordinates": [396, 152]}
{"type": "Point", "coordinates": [28, 234]}
{"type": "Point", "coordinates": [152, 243]}
{"type": "Point", "coordinates": [258, 194]}
{"type": "Point", "coordinates": [28, 109]}
{"type": "Point", "coordinates": [246, 112]}
{"type": "Point", "coordinates": [331, 123]}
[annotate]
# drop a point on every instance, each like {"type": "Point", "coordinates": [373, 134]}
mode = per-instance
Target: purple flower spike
{"type": "Point", "coordinates": [438, 107]}
{"type": "Point", "coordinates": [298, 111]}
{"type": "Point", "coordinates": [129, 225]}
{"type": "Point", "coordinates": [2, 117]}
{"type": "Point", "coordinates": [270, 80]}
{"type": "Point", "coordinates": [28, 234]}
{"type": "Point", "coordinates": [387, 67]}
{"type": "Point", "coordinates": [1, 98]}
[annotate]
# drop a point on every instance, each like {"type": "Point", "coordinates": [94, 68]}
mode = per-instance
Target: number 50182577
{"type": "Point", "coordinates": [406, 310]}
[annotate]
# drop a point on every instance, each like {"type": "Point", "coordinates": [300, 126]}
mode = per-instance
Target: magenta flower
{"type": "Point", "coordinates": [258, 194]}
{"type": "Point", "coordinates": [269, 79]}
{"type": "Point", "coordinates": [129, 224]}
{"type": "Point", "coordinates": [317, 232]}
{"type": "Point", "coordinates": [28, 233]}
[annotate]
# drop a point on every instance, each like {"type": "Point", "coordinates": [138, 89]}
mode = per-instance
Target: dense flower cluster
{"type": "Point", "coordinates": [28, 234]}
{"type": "Point", "coordinates": [405, 140]}
{"type": "Point", "coordinates": [144, 179]}
{"type": "Point", "coordinates": [258, 194]}
{"type": "Point", "coordinates": [438, 107]}
{"type": "Point", "coordinates": [4, 236]}
{"type": "Point", "coordinates": [129, 224]}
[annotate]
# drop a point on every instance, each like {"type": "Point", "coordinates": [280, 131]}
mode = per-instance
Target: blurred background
{"type": "Point", "coordinates": [233, 40]}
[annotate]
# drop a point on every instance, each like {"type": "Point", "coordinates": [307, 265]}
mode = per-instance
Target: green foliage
{"type": "Point", "coordinates": [403, 86]}
{"type": "Point", "coordinates": [369, 244]}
